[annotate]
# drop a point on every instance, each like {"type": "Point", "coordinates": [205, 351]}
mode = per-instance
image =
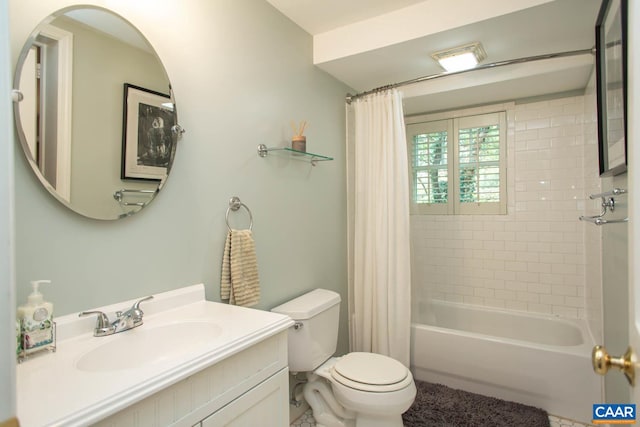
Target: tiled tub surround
{"type": "Point", "coordinates": [531, 259]}
{"type": "Point", "coordinates": [55, 390]}
{"type": "Point", "coordinates": [593, 184]}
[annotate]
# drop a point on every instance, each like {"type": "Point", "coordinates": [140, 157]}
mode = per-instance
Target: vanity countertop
{"type": "Point", "coordinates": [62, 389]}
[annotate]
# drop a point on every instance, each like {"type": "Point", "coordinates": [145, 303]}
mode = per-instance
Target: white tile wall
{"type": "Point", "coordinates": [533, 258]}
{"type": "Point", "coordinates": [592, 235]}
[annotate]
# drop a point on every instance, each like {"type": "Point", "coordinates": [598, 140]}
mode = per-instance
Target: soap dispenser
{"type": "Point", "coordinates": [36, 320]}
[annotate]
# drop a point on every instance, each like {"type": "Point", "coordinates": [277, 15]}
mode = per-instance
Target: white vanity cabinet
{"type": "Point", "coordinates": [192, 363]}
{"type": "Point", "coordinates": [261, 406]}
{"type": "Point", "coordinates": [249, 388]}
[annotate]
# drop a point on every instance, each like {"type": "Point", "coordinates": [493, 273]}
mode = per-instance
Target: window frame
{"type": "Point", "coordinates": [453, 125]}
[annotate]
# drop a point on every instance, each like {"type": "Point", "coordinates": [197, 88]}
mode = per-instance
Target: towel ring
{"type": "Point", "coordinates": [234, 205]}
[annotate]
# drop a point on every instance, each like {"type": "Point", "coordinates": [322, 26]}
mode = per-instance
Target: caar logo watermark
{"type": "Point", "coordinates": [604, 413]}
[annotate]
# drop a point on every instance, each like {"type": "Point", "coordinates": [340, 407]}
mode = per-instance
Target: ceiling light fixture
{"type": "Point", "coordinates": [460, 58]}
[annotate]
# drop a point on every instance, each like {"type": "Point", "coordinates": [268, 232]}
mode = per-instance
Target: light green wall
{"type": "Point", "coordinates": [240, 72]}
{"type": "Point", "coordinates": [7, 290]}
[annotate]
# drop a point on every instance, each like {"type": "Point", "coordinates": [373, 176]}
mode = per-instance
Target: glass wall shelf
{"type": "Point", "coordinates": [312, 158]}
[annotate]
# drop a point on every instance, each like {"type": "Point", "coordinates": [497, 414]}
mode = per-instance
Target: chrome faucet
{"type": "Point", "coordinates": [126, 320]}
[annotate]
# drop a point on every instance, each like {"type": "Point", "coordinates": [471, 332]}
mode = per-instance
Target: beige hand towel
{"type": "Point", "coordinates": [239, 282]}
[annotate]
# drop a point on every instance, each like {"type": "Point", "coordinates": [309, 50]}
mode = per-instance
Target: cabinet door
{"type": "Point", "coordinates": [266, 405]}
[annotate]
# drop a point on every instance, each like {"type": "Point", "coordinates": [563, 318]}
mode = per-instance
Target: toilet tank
{"type": "Point", "coordinates": [313, 338]}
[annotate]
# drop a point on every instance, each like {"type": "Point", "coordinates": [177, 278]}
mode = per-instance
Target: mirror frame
{"type": "Point", "coordinates": [608, 65]}
{"type": "Point", "coordinates": [176, 131]}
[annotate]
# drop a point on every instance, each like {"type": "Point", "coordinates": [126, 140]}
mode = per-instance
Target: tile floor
{"type": "Point", "coordinates": [306, 420]}
{"type": "Point", "coordinates": [562, 422]}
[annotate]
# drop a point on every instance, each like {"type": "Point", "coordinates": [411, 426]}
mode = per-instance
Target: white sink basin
{"type": "Point", "coordinates": [146, 345]}
{"type": "Point", "coordinates": [88, 378]}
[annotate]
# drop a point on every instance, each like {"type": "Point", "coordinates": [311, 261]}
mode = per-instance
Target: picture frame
{"type": "Point", "coordinates": [611, 77]}
{"type": "Point", "coordinates": [147, 139]}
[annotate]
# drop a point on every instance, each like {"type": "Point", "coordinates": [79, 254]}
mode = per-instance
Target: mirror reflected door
{"type": "Point", "coordinates": [72, 121]}
{"type": "Point", "coordinates": [46, 84]}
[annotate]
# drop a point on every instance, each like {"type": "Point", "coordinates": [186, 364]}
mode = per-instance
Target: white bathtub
{"type": "Point", "coordinates": [537, 360]}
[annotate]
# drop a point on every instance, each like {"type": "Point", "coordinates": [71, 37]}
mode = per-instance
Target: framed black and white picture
{"type": "Point", "coordinates": [611, 71]}
{"type": "Point", "coordinates": [147, 139]}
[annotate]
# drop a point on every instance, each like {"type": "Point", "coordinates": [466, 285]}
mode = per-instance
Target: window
{"type": "Point", "coordinates": [458, 165]}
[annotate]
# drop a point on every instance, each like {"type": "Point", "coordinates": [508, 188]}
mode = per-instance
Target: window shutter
{"type": "Point", "coordinates": [430, 152]}
{"type": "Point", "coordinates": [458, 166]}
{"type": "Point", "coordinates": [480, 164]}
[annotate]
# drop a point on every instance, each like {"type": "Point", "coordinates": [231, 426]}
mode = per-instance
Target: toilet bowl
{"type": "Point", "coordinates": [373, 389]}
{"type": "Point", "coordinates": [356, 390]}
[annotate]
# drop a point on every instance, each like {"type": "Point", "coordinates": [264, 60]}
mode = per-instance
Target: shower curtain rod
{"type": "Point", "coordinates": [592, 51]}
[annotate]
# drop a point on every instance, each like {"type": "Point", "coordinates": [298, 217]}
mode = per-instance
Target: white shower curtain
{"type": "Point", "coordinates": [379, 241]}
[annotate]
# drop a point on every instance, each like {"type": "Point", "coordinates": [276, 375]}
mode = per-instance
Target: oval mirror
{"type": "Point", "coordinates": [94, 113]}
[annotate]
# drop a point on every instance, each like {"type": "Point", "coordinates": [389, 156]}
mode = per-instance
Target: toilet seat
{"type": "Point", "coordinates": [371, 372]}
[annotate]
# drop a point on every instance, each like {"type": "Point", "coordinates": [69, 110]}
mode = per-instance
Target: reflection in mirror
{"type": "Point", "coordinates": [73, 124]}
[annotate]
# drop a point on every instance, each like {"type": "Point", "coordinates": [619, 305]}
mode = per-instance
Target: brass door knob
{"type": "Point", "coordinates": [602, 361]}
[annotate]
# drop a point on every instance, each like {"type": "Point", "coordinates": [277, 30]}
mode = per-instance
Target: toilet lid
{"type": "Point", "coordinates": [371, 372]}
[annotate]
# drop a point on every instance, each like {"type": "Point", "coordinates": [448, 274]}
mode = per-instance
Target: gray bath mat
{"type": "Point", "coordinates": [437, 405]}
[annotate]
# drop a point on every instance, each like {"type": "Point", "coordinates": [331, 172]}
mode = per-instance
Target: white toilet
{"type": "Point", "coordinates": [357, 389]}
